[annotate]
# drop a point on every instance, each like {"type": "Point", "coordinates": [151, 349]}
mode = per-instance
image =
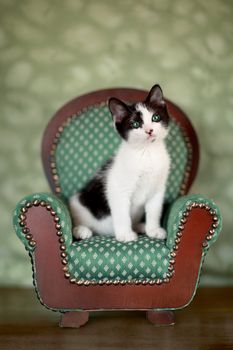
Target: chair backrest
{"type": "Point", "coordinates": [80, 138]}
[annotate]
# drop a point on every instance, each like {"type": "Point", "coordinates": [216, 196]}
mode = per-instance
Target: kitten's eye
{"type": "Point", "coordinates": [135, 125]}
{"type": "Point", "coordinates": [156, 118]}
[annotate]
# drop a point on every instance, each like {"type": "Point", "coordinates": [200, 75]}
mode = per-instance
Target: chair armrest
{"type": "Point", "coordinates": [51, 203]}
{"type": "Point", "coordinates": [179, 215]}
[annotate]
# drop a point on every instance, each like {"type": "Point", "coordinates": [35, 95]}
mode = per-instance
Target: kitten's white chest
{"type": "Point", "coordinates": [152, 175]}
{"type": "Point", "coordinates": [141, 172]}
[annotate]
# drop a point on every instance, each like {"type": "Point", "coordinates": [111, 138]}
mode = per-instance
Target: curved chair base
{"type": "Point", "coordinates": [161, 318]}
{"type": "Point", "coordinates": [74, 319]}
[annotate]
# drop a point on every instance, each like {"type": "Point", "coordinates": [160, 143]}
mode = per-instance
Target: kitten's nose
{"type": "Point", "coordinates": [149, 132]}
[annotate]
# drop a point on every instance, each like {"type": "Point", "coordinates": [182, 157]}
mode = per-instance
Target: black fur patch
{"type": "Point", "coordinates": [124, 115]}
{"type": "Point", "coordinates": [93, 197]}
{"type": "Point", "coordinates": [125, 126]}
{"type": "Point", "coordinates": [161, 111]}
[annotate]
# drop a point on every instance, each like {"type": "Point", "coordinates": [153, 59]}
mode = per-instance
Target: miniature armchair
{"type": "Point", "coordinates": [74, 277]}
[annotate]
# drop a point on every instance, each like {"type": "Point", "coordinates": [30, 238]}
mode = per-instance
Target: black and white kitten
{"type": "Point", "coordinates": [133, 182]}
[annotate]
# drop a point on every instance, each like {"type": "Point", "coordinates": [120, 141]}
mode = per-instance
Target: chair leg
{"type": "Point", "coordinates": [74, 319]}
{"type": "Point", "coordinates": [161, 318]}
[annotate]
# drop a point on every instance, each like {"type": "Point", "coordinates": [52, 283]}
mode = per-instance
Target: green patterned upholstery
{"type": "Point", "coordinates": [176, 213]}
{"type": "Point", "coordinates": [104, 258]}
{"type": "Point", "coordinates": [56, 204]}
{"type": "Point", "coordinates": [90, 139]}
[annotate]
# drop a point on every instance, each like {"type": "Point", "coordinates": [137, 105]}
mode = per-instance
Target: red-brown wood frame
{"type": "Point", "coordinates": [59, 293]}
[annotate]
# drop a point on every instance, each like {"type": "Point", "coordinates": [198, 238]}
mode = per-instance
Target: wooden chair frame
{"type": "Point", "coordinates": [55, 288]}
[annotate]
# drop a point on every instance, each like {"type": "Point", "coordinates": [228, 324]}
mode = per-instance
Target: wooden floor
{"type": "Point", "coordinates": [206, 324]}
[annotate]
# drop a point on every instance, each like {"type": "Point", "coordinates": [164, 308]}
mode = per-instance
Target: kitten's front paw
{"type": "Point", "coordinates": [127, 237]}
{"type": "Point", "coordinates": [82, 232]}
{"type": "Point", "coordinates": [157, 232]}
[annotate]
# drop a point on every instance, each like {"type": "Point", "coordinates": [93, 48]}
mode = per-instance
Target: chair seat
{"type": "Point", "coordinates": [104, 258]}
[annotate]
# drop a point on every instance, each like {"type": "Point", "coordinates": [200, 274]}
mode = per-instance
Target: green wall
{"type": "Point", "coordinates": [52, 51]}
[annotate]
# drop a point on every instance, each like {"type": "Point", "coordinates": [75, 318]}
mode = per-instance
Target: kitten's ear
{"type": "Point", "coordinates": [155, 97]}
{"type": "Point", "coordinates": [118, 109]}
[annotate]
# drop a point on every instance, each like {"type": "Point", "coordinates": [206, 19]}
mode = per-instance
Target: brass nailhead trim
{"type": "Point", "coordinates": [159, 281]}
{"type": "Point", "coordinates": [26, 230]}
{"type": "Point", "coordinates": [214, 225]}
{"type": "Point", "coordinates": [22, 217]}
{"type": "Point", "coordinates": [151, 282]}
{"type": "Point", "coordinates": [172, 254]}
{"type": "Point", "coordinates": [29, 236]}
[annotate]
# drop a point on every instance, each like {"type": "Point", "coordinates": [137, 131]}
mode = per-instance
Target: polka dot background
{"type": "Point", "coordinates": [50, 54]}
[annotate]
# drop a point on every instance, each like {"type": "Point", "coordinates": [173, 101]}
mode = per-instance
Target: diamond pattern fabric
{"type": "Point", "coordinates": [85, 144]}
{"type": "Point", "coordinates": [104, 258]}
{"type": "Point", "coordinates": [90, 139]}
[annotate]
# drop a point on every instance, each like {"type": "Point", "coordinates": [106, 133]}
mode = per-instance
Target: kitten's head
{"type": "Point", "coordinates": [142, 122]}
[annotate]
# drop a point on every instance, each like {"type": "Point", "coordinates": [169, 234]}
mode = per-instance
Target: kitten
{"type": "Point", "coordinates": [133, 182]}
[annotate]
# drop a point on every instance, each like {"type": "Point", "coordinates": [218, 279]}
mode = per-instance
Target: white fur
{"type": "Point", "coordinates": [82, 217]}
{"type": "Point", "coordinates": [135, 183]}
